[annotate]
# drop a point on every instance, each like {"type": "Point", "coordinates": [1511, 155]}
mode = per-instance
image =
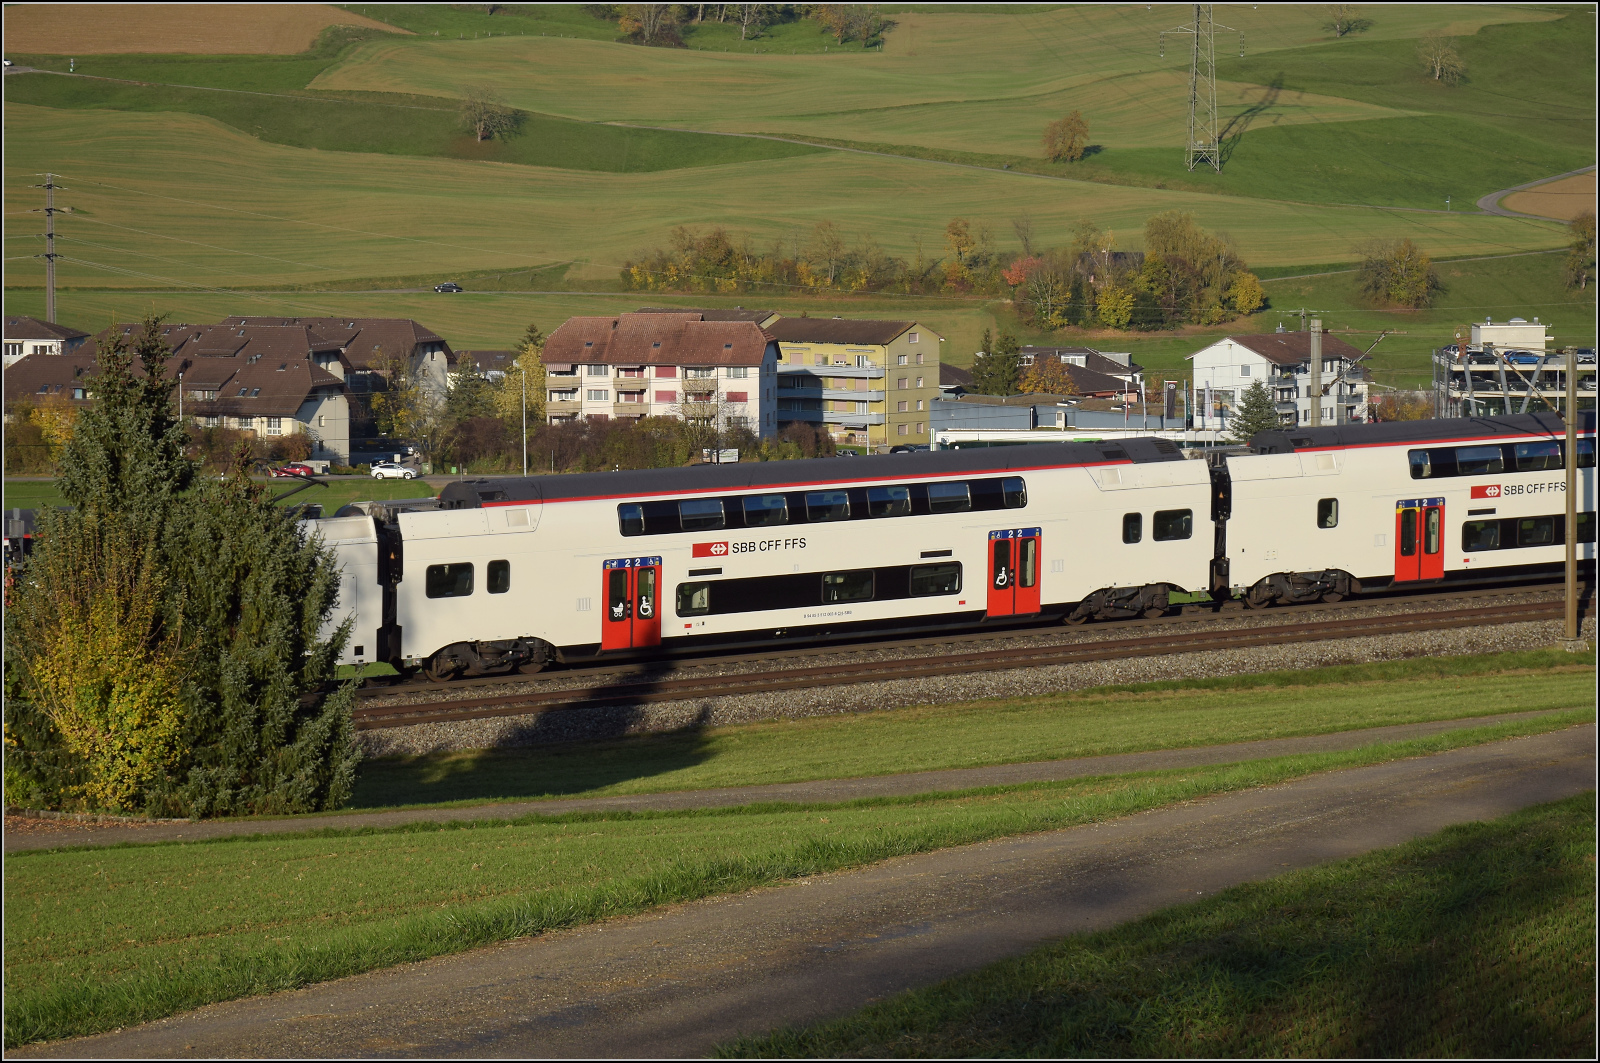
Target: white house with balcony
{"type": "Point", "coordinates": [1281, 361]}
{"type": "Point", "coordinates": [662, 364]}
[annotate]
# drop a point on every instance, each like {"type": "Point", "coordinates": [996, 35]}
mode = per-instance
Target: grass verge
{"type": "Point", "coordinates": [1096, 722]}
{"type": "Point", "coordinates": [1477, 941]}
{"type": "Point", "coordinates": [107, 937]}
{"type": "Point", "coordinates": [41, 494]}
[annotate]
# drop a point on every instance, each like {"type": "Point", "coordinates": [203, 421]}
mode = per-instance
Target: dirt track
{"type": "Point", "coordinates": [193, 29]}
{"type": "Point", "coordinates": [679, 981]}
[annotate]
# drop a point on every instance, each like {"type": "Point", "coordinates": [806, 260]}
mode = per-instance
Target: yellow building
{"type": "Point", "coordinates": [871, 383]}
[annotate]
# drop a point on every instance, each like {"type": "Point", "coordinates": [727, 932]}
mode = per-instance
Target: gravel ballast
{"type": "Point", "coordinates": [570, 725]}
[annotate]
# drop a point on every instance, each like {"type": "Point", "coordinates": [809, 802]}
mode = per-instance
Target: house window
{"type": "Point", "coordinates": [901, 383]}
{"type": "Point", "coordinates": [920, 379]}
{"type": "Point", "coordinates": [564, 396]}
{"type": "Point", "coordinates": [1244, 370]}
{"type": "Point", "coordinates": [666, 396]}
{"type": "Point", "coordinates": [922, 427]}
{"type": "Point", "coordinates": [915, 337]}
{"type": "Point", "coordinates": [247, 424]}
{"type": "Point", "coordinates": [599, 395]}
{"type": "Point", "coordinates": [274, 424]}
{"type": "Point", "coordinates": [738, 372]}
{"type": "Point", "coordinates": [321, 421]}
{"type": "Point", "coordinates": [919, 405]}
{"type": "Point", "coordinates": [919, 357]}
{"type": "Point", "coordinates": [596, 370]}
{"type": "Point", "coordinates": [863, 362]}
{"type": "Point", "coordinates": [903, 407]}
{"type": "Point", "coordinates": [901, 359]}
{"type": "Point", "coordinates": [698, 373]}
{"type": "Point", "coordinates": [13, 350]}
{"type": "Point", "coordinates": [902, 429]}
{"type": "Point", "coordinates": [666, 372]}
{"type": "Point", "coordinates": [861, 407]}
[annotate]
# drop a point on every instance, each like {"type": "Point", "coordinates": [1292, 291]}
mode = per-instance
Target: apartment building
{"type": "Point", "coordinates": [1281, 361]}
{"type": "Point", "coordinates": [870, 383]}
{"type": "Point", "coordinates": [662, 364]}
{"type": "Point", "coordinates": [25, 336]}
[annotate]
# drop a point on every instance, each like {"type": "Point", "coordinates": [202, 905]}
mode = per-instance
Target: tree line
{"type": "Point", "coordinates": [658, 25]}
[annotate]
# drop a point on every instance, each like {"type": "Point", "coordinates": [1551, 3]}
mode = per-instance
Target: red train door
{"type": "Point", "coordinates": [1418, 539]}
{"type": "Point", "coordinates": [631, 591]}
{"type": "Point", "coordinates": [1014, 572]}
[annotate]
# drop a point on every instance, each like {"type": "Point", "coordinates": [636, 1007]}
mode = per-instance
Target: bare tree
{"type": "Point", "coordinates": [648, 20]}
{"type": "Point", "coordinates": [1346, 19]}
{"type": "Point", "coordinates": [487, 114]}
{"type": "Point", "coordinates": [827, 248]}
{"type": "Point", "coordinates": [1439, 57]}
{"type": "Point", "coordinates": [752, 16]}
{"type": "Point", "coordinates": [1023, 227]}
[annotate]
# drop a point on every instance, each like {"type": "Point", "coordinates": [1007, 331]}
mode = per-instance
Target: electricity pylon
{"type": "Point", "coordinates": [1203, 143]}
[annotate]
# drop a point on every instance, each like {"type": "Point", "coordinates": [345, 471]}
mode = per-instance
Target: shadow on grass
{"type": "Point", "coordinates": [546, 757]}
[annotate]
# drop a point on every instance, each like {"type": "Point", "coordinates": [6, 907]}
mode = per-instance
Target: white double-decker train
{"type": "Point", "coordinates": [519, 572]}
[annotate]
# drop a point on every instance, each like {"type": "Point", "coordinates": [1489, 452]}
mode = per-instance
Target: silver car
{"type": "Point", "coordinates": [389, 470]}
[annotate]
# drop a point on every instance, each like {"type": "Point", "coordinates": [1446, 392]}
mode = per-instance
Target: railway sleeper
{"type": "Point", "coordinates": [1121, 603]}
{"type": "Point", "coordinates": [488, 658]}
{"type": "Point", "coordinates": [1294, 588]}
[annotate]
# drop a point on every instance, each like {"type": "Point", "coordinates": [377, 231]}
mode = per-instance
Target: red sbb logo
{"type": "Point", "coordinates": [710, 549]}
{"type": "Point", "coordinates": [1491, 491]}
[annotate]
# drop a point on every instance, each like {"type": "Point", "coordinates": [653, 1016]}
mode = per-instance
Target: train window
{"type": "Point", "coordinates": [930, 580]}
{"type": "Point", "coordinates": [827, 505]}
{"type": "Point", "coordinates": [499, 577]}
{"type": "Point", "coordinates": [694, 599]}
{"type": "Point", "coordinates": [617, 594]}
{"type": "Point", "coordinates": [953, 497]}
{"type": "Point", "coordinates": [630, 518]}
{"type": "Point", "coordinates": [1586, 527]}
{"type": "Point", "coordinates": [449, 581]}
{"type": "Point", "coordinates": [1480, 535]}
{"type": "Point", "coordinates": [765, 511]}
{"type": "Point", "coordinates": [701, 514]}
{"type": "Point", "coordinates": [1536, 531]}
{"type": "Point", "coordinates": [1028, 564]}
{"type": "Point", "coordinates": [1327, 513]}
{"type": "Point", "coordinates": [1132, 527]}
{"type": "Point", "coordinates": [1408, 532]}
{"type": "Point", "coordinates": [1536, 457]}
{"type": "Point", "coordinates": [647, 592]}
{"type": "Point", "coordinates": [1421, 465]}
{"type": "Point", "coordinates": [1585, 453]}
{"type": "Point", "coordinates": [889, 501]}
{"type": "Point", "coordinates": [1170, 524]}
{"type": "Point", "coordinates": [1016, 492]}
{"type": "Point", "coordinates": [1479, 461]}
{"type": "Point", "coordinates": [1431, 539]}
{"type": "Point", "coordinates": [847, 586]}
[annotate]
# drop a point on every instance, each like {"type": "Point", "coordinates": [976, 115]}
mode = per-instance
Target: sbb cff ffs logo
{"type": "Point", "coordinates": [710, 549]}
{"type": "Point", "coordinates": [1489, 491]}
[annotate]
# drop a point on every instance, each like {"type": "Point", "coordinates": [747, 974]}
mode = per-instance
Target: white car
{"type": "Point", "coordinates": [389, 470]}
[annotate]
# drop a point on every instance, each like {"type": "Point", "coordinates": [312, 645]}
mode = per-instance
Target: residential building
{"type": "Point", "coordinates": [763, 318]}
{"type": "Point", "coordinates": [869, 383]}
{"type": "Point", "coordinates": [1086, 360]}
{"type": "Point", "coordinates": [1281, 361]}
{"type": "Point", "coordinates": [491, 365]}
{"type": "Point", "coordinates": [29, 335]}
{"type": "Point", "coordinates": [662, 364]}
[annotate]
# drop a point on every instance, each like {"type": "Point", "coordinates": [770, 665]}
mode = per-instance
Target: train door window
{"type": "Point", "coordinates": [1432, 540]}
{"type": "Point", "coordinates": [1585, 453]}
{"type": "Point", "coordinates": [694, 599]}
{"type": "Point", "coordinates": [499, 577]}
{"type": "Point", "coordinates": [1327, 513]}
{"type": "Point", "coordinates": [954, 497]}
{"type": "Point", "coordinates": [1586, 527]}
{"type": "Point", "coordinates": [847, 586]}
{"type": "Point", "coordinates": [1480, 535]}
{"type": "Point", "coordinates": [1028, 563]}
{"type": "Point", "coordinates": [1003, 576]}
{"type": "Point", "coordinates": [617, 606]}
{"type": "Point", "coordinates": [1132, 527]}
{"type": "Point", "coordinates": [449, 581]}
{"type": "Point", "coordinates": [1421, 465]}
{"type": "Point", "coordinates": [930, 580]}
{"type": "Point", "coordinates": [646, 592]}
{"type": "Point", "coordinates": [1170, 524]}
{"type": "Point", "coordinates": [1536, 531]}
{"type": "Point", "coordinates": [1408, 532]}
{"type": "Point", "coordinates": [889, 501]}
{"type": "Point", "coordinates": [630, 518]}
{"type": "Point", "coordinates": [701, 514]}
{"type": "Point", "coordinates": [1479, 461]}
{"type": "Point", "coordinates": [827, 505]}
{"type": "Point", "coordinates": [1015, 491]}
{"type": "Point", "coordinates": [765, 511]}
{"type": "Point", "coordinates": [1537, 457]}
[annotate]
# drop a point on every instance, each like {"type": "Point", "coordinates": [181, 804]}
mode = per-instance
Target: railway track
{"type": "Point", "coordinates": [1171, 639]}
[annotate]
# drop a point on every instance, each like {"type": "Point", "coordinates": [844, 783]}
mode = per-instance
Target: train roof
{"type": "Point", "coordinates": [744, 476]}
{"type": "Point", "coordinates": [1436, 430]}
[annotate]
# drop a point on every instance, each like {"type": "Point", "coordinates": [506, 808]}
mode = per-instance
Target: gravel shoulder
{"type": "Point", "coordinates": [678, 981]}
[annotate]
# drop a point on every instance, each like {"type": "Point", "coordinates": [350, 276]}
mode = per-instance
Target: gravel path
{"type": "Point", "coordinates": [569, 725]}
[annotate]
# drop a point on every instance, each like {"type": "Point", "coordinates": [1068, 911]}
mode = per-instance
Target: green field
{"type": "Point", "coordinates": [1477, 941]}
{"type": "Point", "coordinates": [104, 937]}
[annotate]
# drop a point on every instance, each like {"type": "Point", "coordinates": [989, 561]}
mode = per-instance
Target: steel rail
{"type": "Point", "coordinates": [846, 673]}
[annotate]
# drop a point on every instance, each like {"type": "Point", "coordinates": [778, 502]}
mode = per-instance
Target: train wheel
{"type": "Point", "coordinates": [438, 671]}
{"type": "Point", "coordinates": [1332, 597]}
{"type": "Point", "coordinates": [1153, 613]}
{"type": "Point", "coordinates": [1075, 620]}
{"type": "Point", "coordinates": [1256, 603]}
{"type": "Point", "coordinates": [531, 668]}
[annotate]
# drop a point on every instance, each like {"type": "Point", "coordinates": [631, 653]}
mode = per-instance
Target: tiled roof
{"type": "Point", "coordinates": [57, 374]}
{"type": "Point", "coordinates": [489, 361]}
{"type": "Point", "coordinates": [737, 313]}
{"type": "Point", "coordinates": [836, 330]}
{"type": "Point", "coordinates": [363, 339]}
{"type": "Point", "coordinates": [21, 327]}
{"type": "Point", "coordinates": [1092, 359]}
{"type": "Point", "coordinates": [954, 376]}
{"type": "Point", "coordinates": [655, 339]}
{"type": "Point", "coordinates": [1291, 348]}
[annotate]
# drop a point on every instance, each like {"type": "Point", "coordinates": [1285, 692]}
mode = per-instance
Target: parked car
{"type": "Point", "coordinates": [1523, 357]}
{"type": "Point", "coordinates": [294, 468]}
{"type": "Point", "coordinates": [448, 286]}
{"type": "Point", "coordinates": [1585, 355]}
{"type": "Point", "coordinates": [389, 470]}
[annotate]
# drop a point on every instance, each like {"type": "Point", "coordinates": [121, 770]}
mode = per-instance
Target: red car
{"type": "Point", "coordinates": [295, 469]}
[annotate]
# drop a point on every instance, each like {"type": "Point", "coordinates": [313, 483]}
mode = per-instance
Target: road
{"type": "Point", "coordinates": [678, 981]}
{"type": "Point", "coordinates": [1490, 204]}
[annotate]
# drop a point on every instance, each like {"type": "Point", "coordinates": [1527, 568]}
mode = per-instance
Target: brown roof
{"type": "Point", "coordinates": [193, 346]}
{"type": "Point", "coordinates": [952, 375]}
{"type": "Point", "coordinates": [1291, 348]}
{"type": "Point", "coordinates": [489, 361]}
{"type": "Point", "coordinates": [21, 327]}
{"type": "Point", "coordinates": [1092, 359]}
{"type": "Point", "coordinates": [360, 338]}
{"type": "Point", "coordinates": [655, 339]}
{"type": "Point", "coordinates": [738, 313]}
{"type": "Point", "coordinates": [38, 376]}
{"type": "Point", "coordinates": [836, 330]}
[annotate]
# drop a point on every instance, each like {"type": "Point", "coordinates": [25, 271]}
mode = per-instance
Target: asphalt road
{"type": "Point", "coordinates": [22, 833]}
{"type": "Point", "coordinates": [678, 981]}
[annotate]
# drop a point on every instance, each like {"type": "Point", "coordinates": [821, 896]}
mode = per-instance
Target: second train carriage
{"type": "Point", "coordinates": [516, 572]}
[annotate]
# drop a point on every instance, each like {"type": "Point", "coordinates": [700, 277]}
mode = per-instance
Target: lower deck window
{"type": "Point", "coordinates": [847, 586]}
{"type": "Point", "coordinates": [1514, 533]}
{"type": "Point", "coordinates": [449, 581]}
{"type": "Point", "coordinates": [930, 580]}
{"type": "Point", "coordinates": [1170, 524]}
{"type": "Point", "coordinates": [803, 590]}
{"type": "Point", "coordinates": [499, 577]}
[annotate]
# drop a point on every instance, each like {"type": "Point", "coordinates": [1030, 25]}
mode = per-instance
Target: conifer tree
{"type": "Point", "coordinates": [1256, 413]}
{"type": "Point", "coordinates": [995, 370]}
